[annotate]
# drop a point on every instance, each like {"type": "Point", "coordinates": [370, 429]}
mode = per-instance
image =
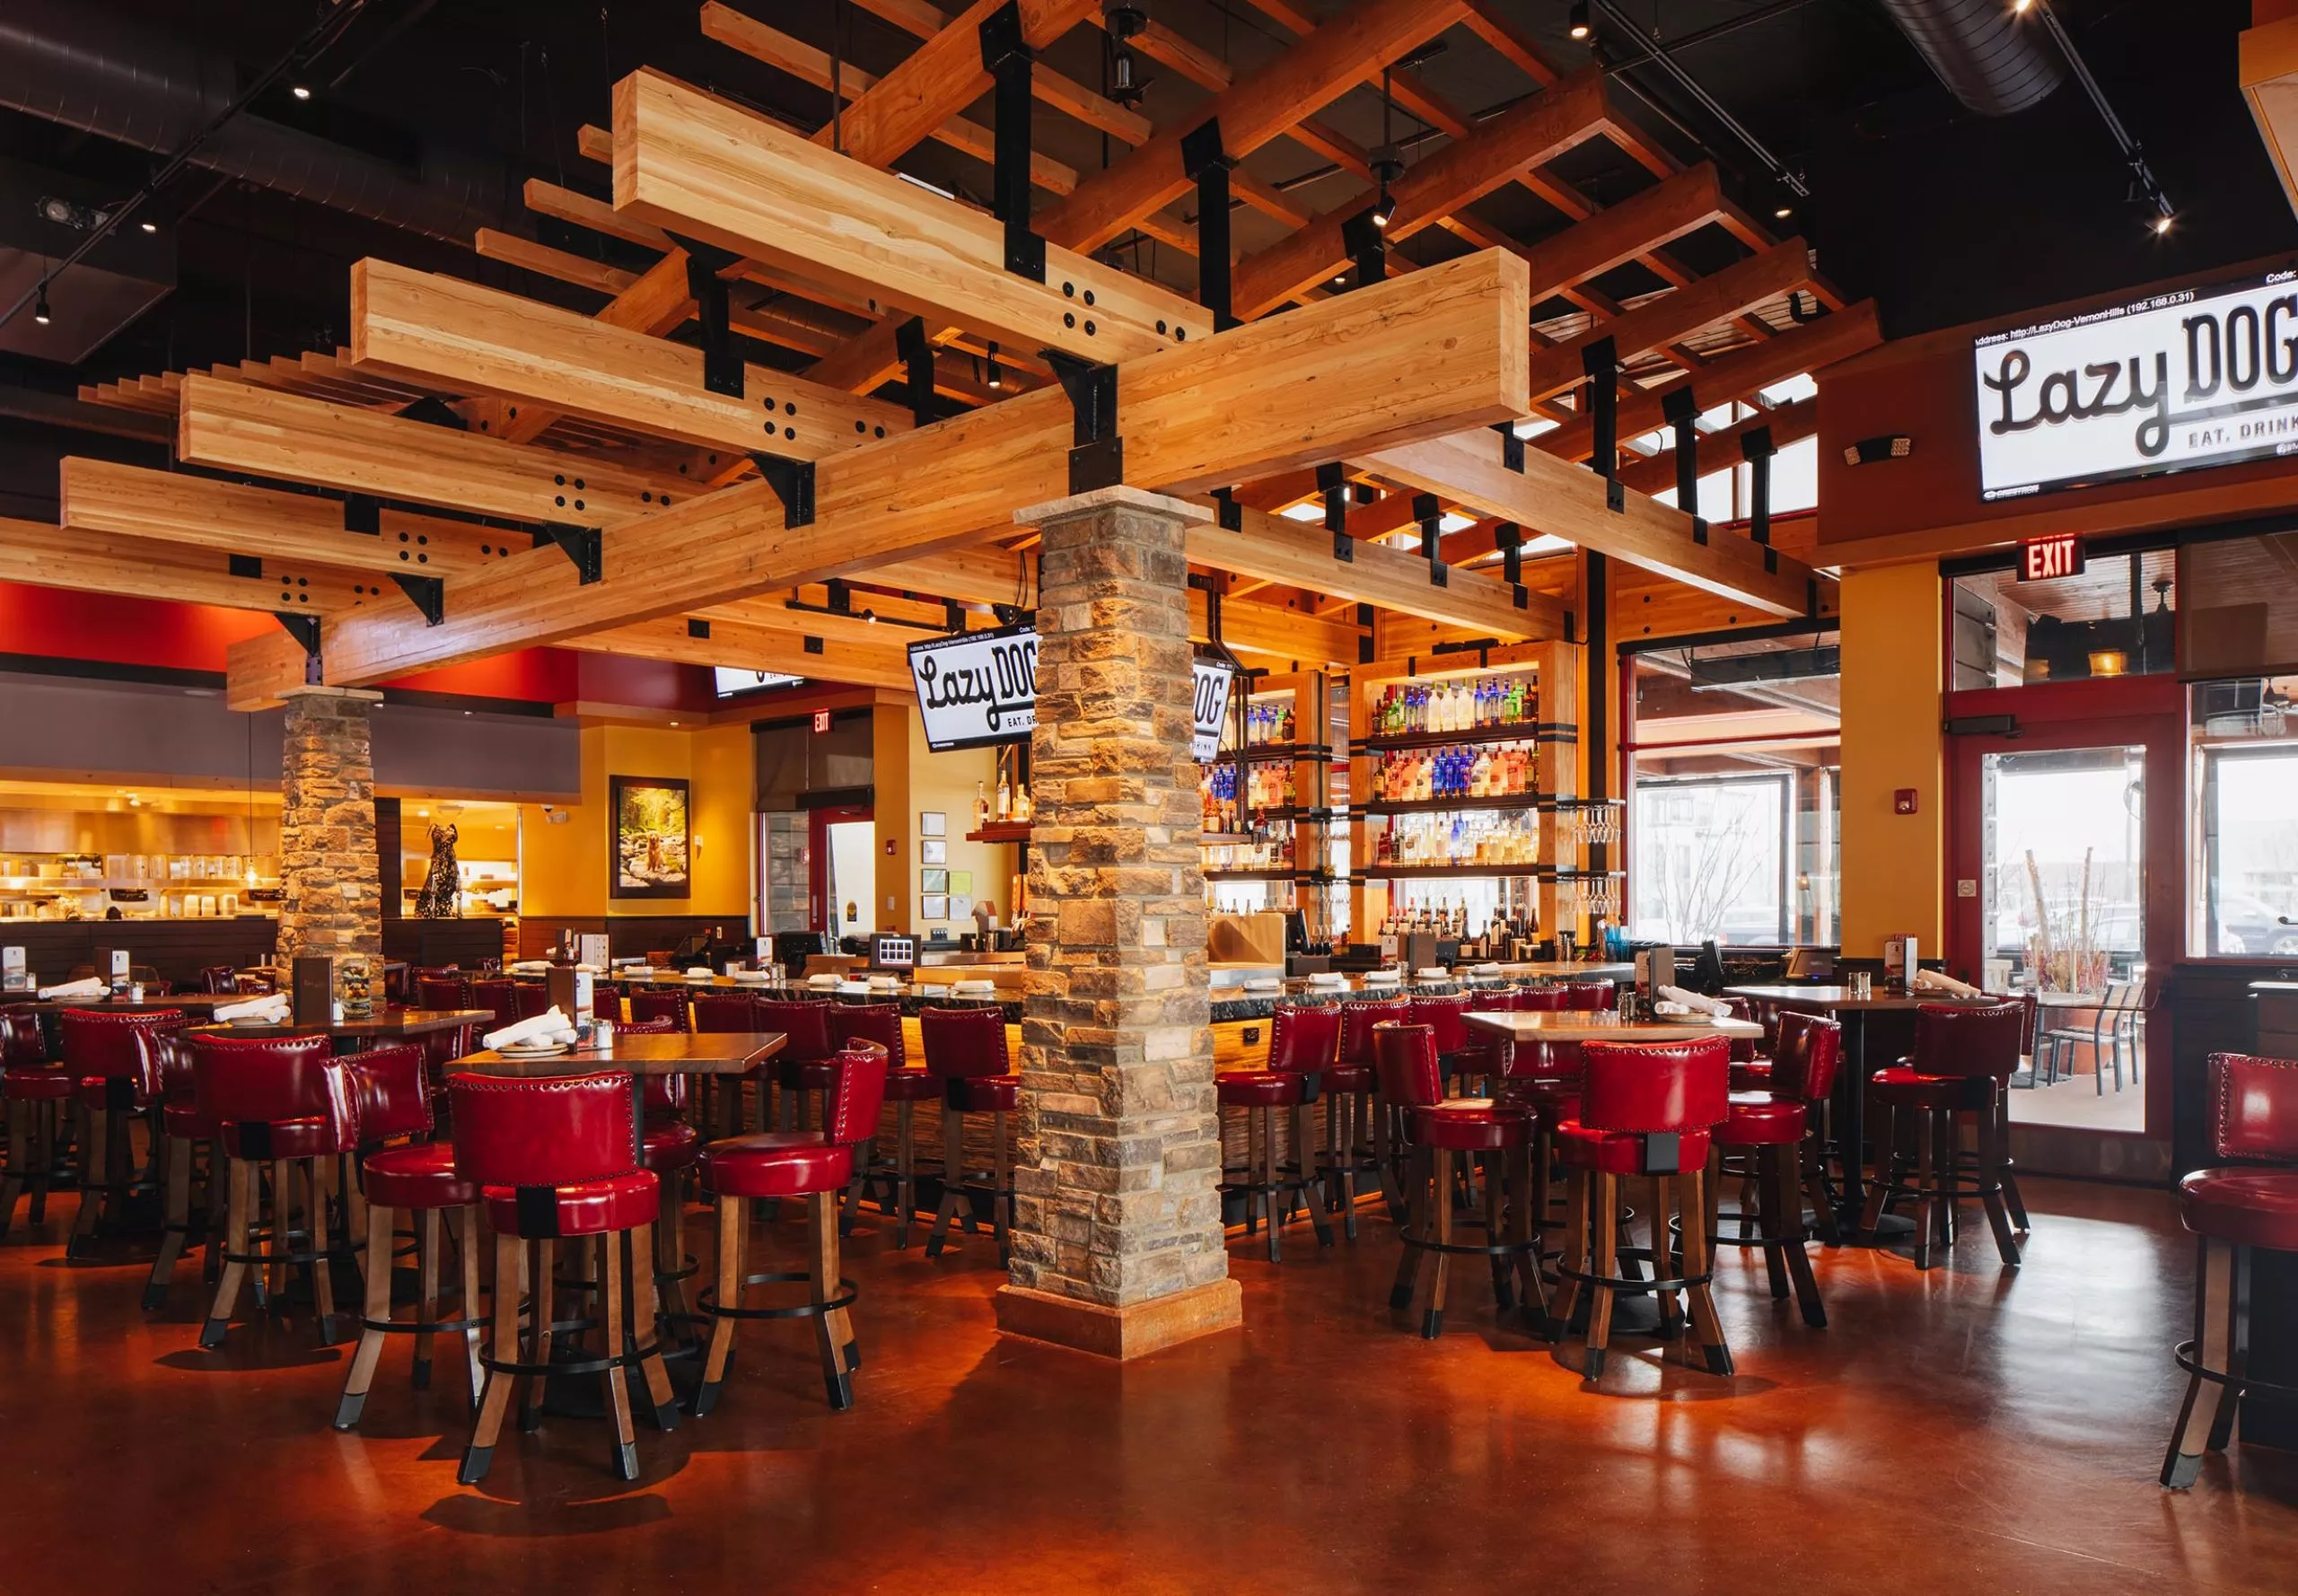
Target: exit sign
{"type": "Point", "coordinates": [822, 720]}
{"type": "Point", "coordinates": [2040, 559]}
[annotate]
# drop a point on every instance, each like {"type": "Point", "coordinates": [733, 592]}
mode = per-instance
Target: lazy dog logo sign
{"type": "Point", "coordinates": [2201, 377]}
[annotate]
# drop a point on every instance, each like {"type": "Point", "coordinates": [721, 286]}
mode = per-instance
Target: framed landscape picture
{"type": "Point", "coordinates": [652, 840]}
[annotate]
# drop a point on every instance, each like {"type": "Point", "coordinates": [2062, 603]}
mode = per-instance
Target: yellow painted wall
{"type": "Point", "coordinates": [564, 872]}
{"type": "Point", "coordinates": [891, 909]}
{"type": "Point", "coordinates": [950, 783]}
{"type": "Point", "coordinates": [1894, 865]}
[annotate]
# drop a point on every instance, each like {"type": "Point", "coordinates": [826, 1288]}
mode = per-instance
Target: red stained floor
{"type": "Point", "coordinates": [1970, 1430]}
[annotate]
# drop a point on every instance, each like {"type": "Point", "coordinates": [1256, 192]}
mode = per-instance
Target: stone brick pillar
{"type": "Point", "coordinates": [326, 826]}
{"type": "Point", "coordinates": [1117, 1244]}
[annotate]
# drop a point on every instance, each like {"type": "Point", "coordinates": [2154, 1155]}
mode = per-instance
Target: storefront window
{"type": "Point", "coordinates": [2245, 735]}
{"type": "Point", "coordinates": [2114, 619]}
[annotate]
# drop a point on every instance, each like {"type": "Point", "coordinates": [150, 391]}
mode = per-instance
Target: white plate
{"type": "Point", "coordinates": [533, 1049]}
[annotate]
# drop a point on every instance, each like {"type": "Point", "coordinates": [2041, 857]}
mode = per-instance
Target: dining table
{"type": "Point", "coordinates": [679, 1053]}
{"type": "Point", "coordinates": [1603, 1025]}
{"type": "Point", "coordinates": [387, 1025]}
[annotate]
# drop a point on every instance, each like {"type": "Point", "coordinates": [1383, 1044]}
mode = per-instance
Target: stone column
{"type": "Point", "coordinates": [1117, 1244]}
{"type": "Point", "coordinates": [326, 826]}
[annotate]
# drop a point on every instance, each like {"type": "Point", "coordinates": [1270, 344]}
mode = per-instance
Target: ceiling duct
{"type": "Point", "coordinates": [72, 63]}
{"type": "Point", "coordinates": [1980, 51]}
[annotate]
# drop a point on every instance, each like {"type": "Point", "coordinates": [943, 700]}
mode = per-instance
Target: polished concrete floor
{"type": "Point", "coordinates": [1967, 1430]}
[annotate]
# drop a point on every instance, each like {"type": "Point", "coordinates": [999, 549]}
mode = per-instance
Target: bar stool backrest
{"type": "Point", "coordinates": [1806, 1057]}
{"type": "Point", "coordinates": [558, 1131]}
{"type": "Point", "coordinates": [1968, 1040]}
{"type": "Point", "coordinates": [879, 1023]}
{"type": "Point", "coordinates": [1542, 1000]}
{"type": "Point", "coordinates": [860, 1092]}
{"type": "Point", "coordinates": [393, 1092]}
{"type": "Point", "coordinates": [219, 981]}
{"type": "Point", "coordinates": [1305, 1040]}
{"type": "Point", "coordinates": [1405, 1054]}
{"type": "Point", "coordinates": [1654, 1088]}
{"type": "Point", "coordinates": [163, 1067]}
{"type": "Point", "coordinates": [1447, 1016]}
{"type": "Point", "coordinates": [660, 1005]}
{"type": "Point", "coordinates": [499, 998]}
{"type": "Point", "coordinates": [243, 1082]}
{"type": "Point", "coordinates": [531, 999]}
{"type": "Point", "coordinates": [1357, 1021]}
{"type": "Point", "coordinates": [804, 1024]}
{"type": "Point", "coordinates": [24, 1046]}
{"type": "Point", "coordinates": [440, 992]}
{"type": "Point", "coordinates": [104, 1044]}
{"type": "Point", "coordinates": [1743, 1047]}
{"type": "Point", "coordinates": [2254, 1107]}
{"type": "Point", "coordinates": [721, 1012]}
{"type": "Point", "coordinates": [1588, 996]}
{"type": "Point", "coordinates": [662, 1091]}
{"type": "Point", "coordinates": [969, 1042]}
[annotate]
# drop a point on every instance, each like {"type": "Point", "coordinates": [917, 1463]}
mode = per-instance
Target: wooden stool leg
{"type": "Point", "coordinates": [235, 1249]}
{"type": "Point", "coordinates": [831, 1335]}
{"type": "Point", "coordinates": [1432, 1323]}
{"type": "Point", "coordinates": [1880, 1117]}
{"type": "Point", "coordinates": [673, 1259]}
{"type": "Point", "coordinates": [428, 1225]}
{"type": "Point", "coordinates": [645, 1328]}
{"type": "Point", "coordinates": [2221, 1309]}
{"type": "Point", "coordinates": [45, 1121]}
{"type": "Point", "coordinates": [1522, 1234]}
{"type": "Point", "coordinates": [1815, 1191]}
{"type": "Point", "coordinates": [1503, 1289]}
{"type": "Point", "coordinates": [544, 1310]}
{"type": "Point", "coordinates": [95, 1177]}
{"type": "Point", "coordinates": [494, 1399]}
{"type": "Point", "coordinates": [19, 1163]}
{"type": "Point", "coordinates": [1785, 1202]}
{"type": "Point", "coordinates": [179, 1224]}
{"type": "Point", "coordinates": [1416, 1217]}
{"type": "Point", "coordinates": [624, 1464]}
{"type": "Point", "coordinates": [1253, 1172]}
{"type": "Point", "coordinates": [322, 1265]}
{"type": "Point", "coordinates": [1001, 1199]}
{"type": "Point", "coordinates": [1278, 1214]}
{"type": "Point", "coordinates": [1697, 1263]}
{"type": "Point", "coordinates": [953, 1166]}
{"type": "Point", "coordinates": [1772, 1219]}
{"type": "Point", "coordinates": [728, 1294]}
{"type": "Point", "coordinates": [1604, 1263]}
{"type": "Point", "coordinates": [1574, 1257]}
{"type": "Point", "coordinates": [362, 1374]}
{"type": "Point", "coordinates": [1672, 1314]}
{"type": "Point", "coordinates": [1312, 1184]}
{"type": "Point", "coordinates": [905, 1171]}
{"type": "Point", "coordinates": [467, 1240]}
{"type": "Point", "coordinates": [1993, 1154]}
{"type": "Point", "coordinates": [1385, 1154]}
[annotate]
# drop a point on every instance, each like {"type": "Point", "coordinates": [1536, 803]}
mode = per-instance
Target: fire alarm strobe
{"type": "Point", "coordinates": [1903, 801]}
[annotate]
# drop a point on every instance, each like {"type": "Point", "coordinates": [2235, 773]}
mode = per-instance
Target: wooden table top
{"type": "Point", "coordinates": [709, 1053]}
{"type": "Point", "coordinates": [392, 1022]}
{"type": "Point", "coordinates": [189, 1003]}
{"type": "Point", "coordinates": [1832, 998]}
{"type": "Point", "coordinates": [1603, 1025]}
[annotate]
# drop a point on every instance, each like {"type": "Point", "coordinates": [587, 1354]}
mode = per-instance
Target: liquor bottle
{"type": "Point", "coordinates": [980, 806]}
{"type": "Point", "coordinates": [1004, 797]}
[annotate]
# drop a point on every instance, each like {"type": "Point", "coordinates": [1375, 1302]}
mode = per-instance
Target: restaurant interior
{"type": "Point", "coordinates": [1339, 757]}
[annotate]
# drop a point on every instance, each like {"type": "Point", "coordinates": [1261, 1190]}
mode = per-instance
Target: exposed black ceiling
{"type": "Point", "coordinates": [1941, 215]}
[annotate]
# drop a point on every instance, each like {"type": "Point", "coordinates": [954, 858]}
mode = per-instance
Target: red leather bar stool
{"type": "Point", "coordinates": [1772, 1135]}
{"type": "Point", "coordinates": [722, 1014]}
{"type": "Point", "coordinates": [965, 1050]}
{"type": "Point", "coordinates": [1448, 1016]}
{"type": "Point", "coordinates": [1647, 1111]}
{"type": "Point", "coordinates": [37, 1092]}
{"type": "Point", "coordinates": [170, 1080]}
{"type": "Point", "coordinates": [906, 1087]}
{"type": "Point", "coordinates": [441, 989]}
{"type": "Point", "coordinates": [1370, 1144]}
{"type": "Point", "coordinates": [390, 1090]}
{"type": "Point", "coordinates": [1303, 1044]}
{"type": "Point", "coordinates": [552, 1160]}
{"type": "Point", "coordinates": [1586, 997]}
{"type": "Point", "coordinates": [1543, 1079]}
{"type": "Point", "coordinates": [647, 1006]}
{"type": "Point", "coordinates": [1412, 1080]}
{"type": "Point", "coordinates": [800, 1071]}
{"type": "Point", "coordinates": [1963, 1060]}
{"type": "Point", "coordinates": [102, 1049]}
{"type": "Point", "coordinates": [672, 1148]}
{"type": "Point", "coordinates": [2248, 1206]}
{"type": "Point", "coordinates": [815, 1165]}
{"type": "Point", "coordinates": [500, 999]}
{"type": "Point", "coordinates": [219, 981]}
{"type": "Point", "coordinates": [285, 1101]}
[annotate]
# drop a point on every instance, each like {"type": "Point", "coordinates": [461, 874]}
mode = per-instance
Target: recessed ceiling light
{"type": "Point", "coordinates": [149, 226]}
{"type": "Point", "coordinates": [300, 91]}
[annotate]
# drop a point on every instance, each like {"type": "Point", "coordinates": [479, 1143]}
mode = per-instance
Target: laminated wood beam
{"type": "Point", "coordinates": [42, 556]}
{"type": "Point", "coordinates": [1094, 109]}
{"type": "Point", "coordinates": [1720, 450]}
{"type": "Point", "coordinates": [1403, 361]}
{"type": "Point", "coordinates": [259, 672]}
{"type": "Point", "coordinates": [736, 180]}
{"type": "Point", "coordinates": [746, 647]}
{"type": "Point", "coordinates": [445, 333]}
{"type": "Point", "coordinates": [1277, 634]}
{"type": "Point", "coordinates": [1676, 315]}
{"type": "Point", "coordinates": [543, 260]}
{"type": "Point", "coordinates": [940, 78]}
{"type": "Point", "coordinates": [1252, 110]}
{"type": "Point", "coordinates": [1550, 496]}
{"type": "Point", "coordinates": [566, 204]}
{"type": "Point", "coordinates": [1628, 231]}
{"type": "Point", "coordinates": [173, 507]}
{"type": "Point", "coordinates": [235, 428]}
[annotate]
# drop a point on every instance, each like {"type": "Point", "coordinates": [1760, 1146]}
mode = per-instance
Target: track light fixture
{"type": "Point", "coordinates": [1384, 209]}
{"type": "Point", "coordinates": [40, 312]}
{"type": "Point", "coordinates": [1124, 20]}
{"type": "Point", "coordinates": [995, 374]}
{"type": "Point", "coordinates": [1579, 27]}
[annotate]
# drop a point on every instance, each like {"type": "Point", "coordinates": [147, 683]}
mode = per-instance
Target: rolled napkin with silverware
{"type": "Point", "coordinates": [1932, 980]}
{"type": "Point", "coordinates": [87, 986]}
{"type": "Point", "coordinates": [271, 1010]}
{"type": "Point", "coordinates": [1692, 1002]}
{"type": "Point", "coordinates": [548, 1028]}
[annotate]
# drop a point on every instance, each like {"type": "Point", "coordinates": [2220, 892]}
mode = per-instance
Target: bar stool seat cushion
{"type": "Point", "coordinates": [1751, 1078]}
{"type": "Point", "coordinates": [1759, 1119]}
{"type": "Point", "coordinates": [1621, 1152]}
{"type": "Point", "coordinates": [671, 1146]}
{"type": "Point", "coordinates": [1904, 1088]}
{"type": "Point", "coordinates": [315, 1137]}
{"type": "Point", "coordinates": [586, 1208]}
{"type": "Point", "coordinates": [422, 1176]}
{"type": "Point", "coordinates": [912, 1084]}
{"type": "Point", "coordinates": [1351, 1078]}
{"type": "Point", "coordinates": [186, 1123]}
{"type": "Point", "coordinates": [782, 1163]}
{"type": "Point", "coordinates": [1548, 1100]}
{"type": "Point", "coordinates": [97, 1092]}
{"type": "Point", "coordinates": [2251, 1208]}
{"type": "Point", "coordinates": [1261, 1089]}
{"type": "Point", "coordinates": [38, 1085]}
{"type": "Point", "coordinates": [1472, 1125]}
{"type": "Point", "coordinates": [805, 1074]}
{"type": "Point", "coordinates": [984, 1094]}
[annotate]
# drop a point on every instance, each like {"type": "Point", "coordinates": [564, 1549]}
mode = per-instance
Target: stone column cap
{"type": "Point", "coordinates": [317, 690]}
{"type": "Point", "coordinates": [1085, 503]}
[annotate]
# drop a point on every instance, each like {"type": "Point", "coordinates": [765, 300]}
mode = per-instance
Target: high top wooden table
{"type": "Point", "coordinates": [710, 1052]}
{"type": "Point", "coordinates": [391, 1025]}
{"type": "Point", "coordinates": [1602, 1025]}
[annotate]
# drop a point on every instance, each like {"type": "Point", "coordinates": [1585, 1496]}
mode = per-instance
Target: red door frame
{"type": "Point", "coordinates": [820, 913]}
{"type": "Point", "coordinates": [2129, 712]}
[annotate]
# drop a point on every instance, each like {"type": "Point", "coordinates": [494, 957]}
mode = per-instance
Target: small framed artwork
{"type": "Point", "coordinates": [650, 838]}
{"type": "Point", "coordinates": [933, 881]}
{"type": "Point", "coordinates": [961, 908]}
{"type": "Point", "coordinates": [933, 822]}
{"type": "Point", "coordinates": [935, 905]}
{"type": "Point", "coordinates": [932, 850]}
{"type": "Point", "coordinates": [961, 880]}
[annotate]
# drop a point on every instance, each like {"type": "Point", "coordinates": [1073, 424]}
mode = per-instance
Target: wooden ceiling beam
{"type": "Point", "coordinates": [1096, 111]}
{"type": "Point", "coordinates": [1677, 315]}
{"type": "Point", "coordinates": [544, 261]}
{"type": "Point", "coordinates": [43, 556]}
{"type": "Point", "coordinates": [1719, 450]}
{"type": "Point", "coordinates": [749, 647]}
{"type": "Point", "coordinates": [939, 79]}
{"type": "Point", "coordinates": [1311, 641]}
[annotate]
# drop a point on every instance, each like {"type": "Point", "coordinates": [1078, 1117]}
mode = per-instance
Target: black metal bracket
{"type": "Point", "coordinates": [840, 596]}
{"type": "Point", "coordinates": [1367, 248]}
{"type": "Point", "coordinates": [793, 481]}
{"type": "Point", "coordinates": [305, 630]}
{"type": "Point", "coordinates": [362, 512]}
{"type": "Point", "coordinates": [584, 545]}
{"type": "Point", "coordinates": [1208, 166]}
{"type": "Point", "coordinates": [1231, 513]}
{"type": "Point", "coordinates": [810, 644]}
{"type": "Point", "coordinates": [1332, 481]}
{"type": "Point", "coordinates": [1005, 51]}
{"type": "Point", "coordinates": [1682, 411]}
{"type": "Point", "coordinates": [697, 629]}
{"type": "Point", "coordinates": [1512, 447]}
{"type": "Point", "coordinates": [721, 362]}
{"type": "Point", "coordinates": [244, 565]}
{"type": "Point", "coordinates": [917, 355]}
{"type": "Point", "coordinates": [1430, 514]}
{"type": "Point", "coordinates": [953, 614]}
{"type": "Point", "coordinates": [434, 411]}
{"type": "Point", "coordinates": [1601, 360]}
{"type": "Point", "coordinates": [1757, 449]}
{"type": "Point", "coordinates": [1508, 538]}
{"type": "Point", "coordinates": [429, 594]}
{"type": "Point", "coordinates": [1097, 452]}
